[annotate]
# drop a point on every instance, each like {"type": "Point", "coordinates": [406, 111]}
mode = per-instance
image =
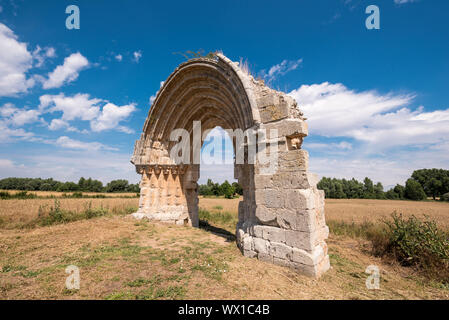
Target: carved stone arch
{"type": "Point", "coordinates": [281, 217]}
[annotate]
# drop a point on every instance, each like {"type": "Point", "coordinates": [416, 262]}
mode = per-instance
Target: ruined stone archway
{"type": "Point", "coordinates": [281, 217]}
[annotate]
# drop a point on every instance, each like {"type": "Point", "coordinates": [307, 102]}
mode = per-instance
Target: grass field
{"type": "Point", "coordinates": [61, 194]}
{"type": "Point", "coordinates": [121, 258]}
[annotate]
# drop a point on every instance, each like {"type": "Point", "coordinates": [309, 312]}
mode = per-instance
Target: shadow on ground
{"type": "Point", "coordinates": [230, 237]}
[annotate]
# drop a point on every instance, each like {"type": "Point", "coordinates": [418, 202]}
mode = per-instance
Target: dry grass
{"type": "Point", "coordinates": [18, 213]}
{"type": "Point", "coordinates": [121, 258]}
{"type": "Point", "coordinates": [124, 259]}
{"type": "Point", "coordinates": [60, 194]}
{"type": "Point", "coordinates": [361, 210]}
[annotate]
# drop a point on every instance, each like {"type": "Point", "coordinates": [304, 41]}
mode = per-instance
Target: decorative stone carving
{"type": "Point", "coordinates": [281, 217]}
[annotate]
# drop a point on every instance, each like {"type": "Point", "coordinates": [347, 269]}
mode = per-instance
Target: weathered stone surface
{"type": "Point", "coordinates": [273, 234]}
{"type": "Point", "coordinates": [281, 217]}
{"type": "Point", "coordinates": [265, 215]}
{"type": "Point", "coordinates": [280, 250]}
{"type": "Point", "coordinates": [261, 245]}
{"type": "Point", "coordinates": [299, 239]}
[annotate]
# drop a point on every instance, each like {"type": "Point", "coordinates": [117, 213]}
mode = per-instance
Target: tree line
{"type": "Point", "coordinates": [83, 185]}
{"type": "Point", "coordinates": [225, 189]}
{"type": "Point", "coordinates": [422, 184]}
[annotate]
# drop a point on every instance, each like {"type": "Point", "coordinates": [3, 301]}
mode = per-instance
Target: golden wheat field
{"type": "Point", "coordinates": [122, 258]}
{"type": "Point", "coordinates": [61, 194]}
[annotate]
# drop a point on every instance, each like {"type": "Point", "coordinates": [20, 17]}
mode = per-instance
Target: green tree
{"type": "Point", "coordinates": [414, 190]}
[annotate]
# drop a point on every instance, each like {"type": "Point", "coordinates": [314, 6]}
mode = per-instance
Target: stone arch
{"type": "Point", "coordinates": [281, 217]}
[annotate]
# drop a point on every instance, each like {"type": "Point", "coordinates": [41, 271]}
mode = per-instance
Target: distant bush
{"type": "Point", "coordinates": [414, 190]}
{"type": "Point", "coordinates": [19, 195]}
{"type": "Point", "coordinates": [445, 197]}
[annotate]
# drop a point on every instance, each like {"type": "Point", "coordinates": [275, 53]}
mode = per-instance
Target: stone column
{"type": "Point", "coordinates": [286, 226]}
{"type": "Point", "coordinates": [163, 194]}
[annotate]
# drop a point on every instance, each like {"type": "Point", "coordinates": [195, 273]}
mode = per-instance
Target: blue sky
{"type": "Point", "coordinates": [72, 102]}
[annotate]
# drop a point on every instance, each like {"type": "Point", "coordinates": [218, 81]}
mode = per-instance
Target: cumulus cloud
{"type": "Point", "coordinates": [379, 120]}
{"type": "Point", "coordinates": [67, 72]}
{"type": "Point", "coordinates": [111, 116]}
{"type": "Point", "coordinates": [66, 142]}
{"type": "Point", "coordinates": [18, 117]}
{"type": "Point", "coordinates": [80, 106]}
{"type": "Point", "coordinates": [15, 61]}
{"type": "Point", "coordinates": [83, 107]}
{"type": "Point", "coordinates": [118, 57]}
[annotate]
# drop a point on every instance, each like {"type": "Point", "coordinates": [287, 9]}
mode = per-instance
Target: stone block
{"type": "Point", "coordinates": [261, 245]}
{"type": "Point", "coordinates": [265, 257]}
{"type": "Point", "coordinates": [266, 215]}
{"type": "Point", "coordinates": [287, 127]}
{"type": "Point", "coordinates": [300, 199]}
{"type": "Point", "coordinates": [299, 220]}
{"type": "Point", "coordinates": [280, 250]}
{"type": "Point", "coordinates": [300, 240]}
{"type": "Point", "coordinates": [257, 231]}
{"type": "Point", "coordinates": [273, 234]}
{"type": "Point", "coordinates": [247, 243]}
{"type": "Point", "coordinates": [282, 262]}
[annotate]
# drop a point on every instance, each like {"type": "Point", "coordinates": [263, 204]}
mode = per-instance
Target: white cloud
{"type": "Point", "coordinates": [343, 145]}
{"type": "Point", "coordinates": [335, 111]}
{"type": "Point", "coordinates": [391, 140]}
{"type": "Point", "coordinates": [110, 117]}
{"type": "Point", "coordinates": [66, 142]}
{"type": "Point", "coordinates": [41, 55]}
{"type": "Point", "coordinates": [403, 1]}
{"type": "Point", "coordinates": [137, 55]}
{"type": "Point", "coordinates": [280, 69]}
{"type": "Point", "coordinates": [15, 61]}
{"type": "Point", "coordinates": [83, 107]}
{"type": "Point", "coordinates": [7, 110]}
{"type": "Point", "coordinates": [8, 134]}
{"type": "Point", "coordinates": [79, 106]}
{"type": "Point", "coordinates": [153, 97]}
{"type": "Point", "coordinates": [18, 117]}
{"type": "Point", "coordinates": [119, 57]}
{"type": "Point", "coordinates": [58, 124]}
{"type": "Point", "coordinates": [67, 72]}
{"type": "Point", "coordinates": [21, 117]}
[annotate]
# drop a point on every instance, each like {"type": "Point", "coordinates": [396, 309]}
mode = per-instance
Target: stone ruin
{"type": "Point", "coordinates": [281, 217]}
